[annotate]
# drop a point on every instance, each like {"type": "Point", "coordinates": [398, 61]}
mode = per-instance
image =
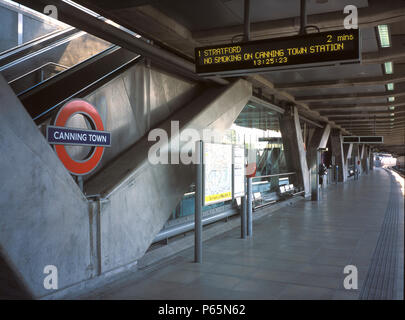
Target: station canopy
{"type": "Point", "coordinates": [362, 98]}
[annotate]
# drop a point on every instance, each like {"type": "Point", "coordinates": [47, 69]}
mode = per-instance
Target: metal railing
{"type": "Point", "coordinates": [183, 227]}
{"type": "Point", "coordinates": [275, 175]}
{"type": "Point", "coordinates": [40, 68]}
{"type": "Point", "coordinates": [272, 201]}
{"type": "Point", "coordinates": [175, 230]}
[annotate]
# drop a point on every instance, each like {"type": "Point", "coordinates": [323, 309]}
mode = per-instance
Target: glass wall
{"type": "Point", "coordinates": [257, 127]}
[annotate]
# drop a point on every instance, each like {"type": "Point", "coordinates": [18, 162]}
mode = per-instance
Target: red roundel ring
{"type": "Point", "coordinates": [71, 108]}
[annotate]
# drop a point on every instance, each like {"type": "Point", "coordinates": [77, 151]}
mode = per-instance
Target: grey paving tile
{"type": "Point", "coordinates": [361, 261]}
{"type": "Point", "coordinates": [346, 295]}
{"type": "Point", "coordinates": [318, 280]}
{"type": "Point", "coordinates": [260, 289]}
{"type": "Point", "coordinates": [260, 253]}
{"type": "Point", "coordinates": [322, 270]}
{"type": "Point", "coordinates": [200, 292]}
{"type": "Point", "coordinates": [331, 260]}
{"type": "Point", "coordinates": [283, 265]}
{"type": "Point", "coordinates": [148, 289]}
{"type": "Point", "coordinates": [216, 280]}
{"type": "Point", "coordinates": [234, 270]}
{"type": "Point", "coordinates": [275, 275]}
{"type": "Point", "coordinates": [179, 276]}
{"type": "Point", "coordinates": [205, 266]}
{"type": "Point", "coordinates": [299, 249]}
{"type": "Point", "coordinates": [249, 261]}
{"type": "Point", "coordinates": [299, 292]}
{"type": "Point", "coordinates": [298, 252]}
{"type": "Point", "coordinates": [335, 252]}
{"type": "Point", "coordinates": [298, 257]}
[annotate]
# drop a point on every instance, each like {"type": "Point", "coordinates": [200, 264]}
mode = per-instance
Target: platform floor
{"type": "Point", "coordinates": [298, 252]}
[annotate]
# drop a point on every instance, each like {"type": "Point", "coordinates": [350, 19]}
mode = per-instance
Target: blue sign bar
{"type": "Point", "coordinates": [78, 137]}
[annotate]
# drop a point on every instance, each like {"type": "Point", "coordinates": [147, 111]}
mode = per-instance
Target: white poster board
{"type": "Point", "coordinates": [238, 171]}
{"type": "Point", "coordinates": [217, 175]}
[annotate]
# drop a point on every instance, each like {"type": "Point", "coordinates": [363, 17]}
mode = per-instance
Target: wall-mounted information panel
{"type": "Point", "coordinates": [315, 49]}
{"type": "Point", "coordinates": [217, 173]}
{"type": "Point", "coordinates": [238, 171]}
{"type": "Point", "coordinates": [363, 139]}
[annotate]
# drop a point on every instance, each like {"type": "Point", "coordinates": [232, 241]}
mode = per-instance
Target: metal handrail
{"type": "Point", "coordinates": [33, 42]}
{"type": "Point", "coordinates": [264, 204]}
{"type": "Point", "coordinates": [40, 51]}
{"type": "Point", "coordinates": [275, 175]}
{"type": "Point", "coordinates": [259, 182]}
{"type": "Point", "coordinates": [175, 230]}
{"type": "Point", "coordinates": [268, 176]}
{"type": "Point", "coordinates": [39, 68]}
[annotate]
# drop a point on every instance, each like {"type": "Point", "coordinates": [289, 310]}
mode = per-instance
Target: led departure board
{"type": "Point", "coordinates": [363, 139]}
{"type": "Point", "coordinates": [315, 49]}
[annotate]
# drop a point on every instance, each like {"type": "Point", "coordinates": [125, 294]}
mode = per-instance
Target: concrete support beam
{"type": "Point", "coordinates": [347, 150]}
{"type": "Point", "coordinates": [44, 217]}
{"type": "Point", "coordinates": [362, 114]}
{"type": "Point", "coordinates": [355, 127]}
{"type": "Point", "coordinates": [362, 150]}
{"type": "Point", "coordinates": [399, 76]}
{"type": "Point", "coordinates": [394, 53]}
{"type": "Point", "coordinates": [377, 120]}
{"type": "Point", "coordinates": [357, 150]}
{"type": "Point", "coordinates": [358, 106]}
{"type": "Point", "coordinates": [381, 125]}
{"type": "Point", "coordinates": [355, 96]}
{"type": "Point", "coordinates": [365, 158]}
{"type": "Point", "coordinates": [371, 119]}
{"type": "Point", "coordinates": [268, 87]}
{"type": "Point", "coordinates": [356, 155]}
{"type": "Point", "coordinates": [294, 147]}
{"type": "Point", "coordinates": [337, 152]}
{"type": "Point", "coordinates": [154, 24]}
{"type": "Point", "coordinates": [274, 160]}
{"type": "Point", "coordinates": [318, 140]}
{"type": "Point", "coordinates": [129, 220]}
{"type": "Point", "coordinates": [378, 12]}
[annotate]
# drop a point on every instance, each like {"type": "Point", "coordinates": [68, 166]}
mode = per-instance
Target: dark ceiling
{"type": "Point", "coordinates": [346, 96]}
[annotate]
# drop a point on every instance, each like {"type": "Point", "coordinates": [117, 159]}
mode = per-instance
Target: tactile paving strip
{"type": "Point", "coordinates": [380, 280]}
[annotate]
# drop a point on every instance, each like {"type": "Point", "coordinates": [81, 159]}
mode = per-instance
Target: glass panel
{"type": "Point", "coordinates": [258, 128]}
{"type": "Point", "coordinates": [21, 25]}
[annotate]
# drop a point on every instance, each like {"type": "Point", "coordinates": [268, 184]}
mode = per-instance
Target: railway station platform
{"type": "Point", "coordinates": [297, 252]}
{"type": "Point", "coordinates": [206, 149]}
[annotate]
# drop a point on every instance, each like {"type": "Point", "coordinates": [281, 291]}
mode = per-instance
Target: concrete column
{"type": "Point", "coordinates": [274, 160]}
{"type": "Point", "coordinates": [319, 140]}
{"type": "Point", "coordinates": [365, 158]}
{"type": "Point", "coordinates": [337, 151]}
{"type": "Point", "coordinates": [295, 153]}
{"type": "Point", "coordinates": [362, 150]}
{"type": "Point", "coordinates": [357, 157]}
{"type": "Point", "coordinates": [371, 161]}
{"type": "Point", "coordinates": [243, 218]}
{"type": "Point", "coordinates": [347, 152]}
{"type": "Point", "coordinates": [249, 197]}
{"type": "Point", "coordinates": [198, 203]}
